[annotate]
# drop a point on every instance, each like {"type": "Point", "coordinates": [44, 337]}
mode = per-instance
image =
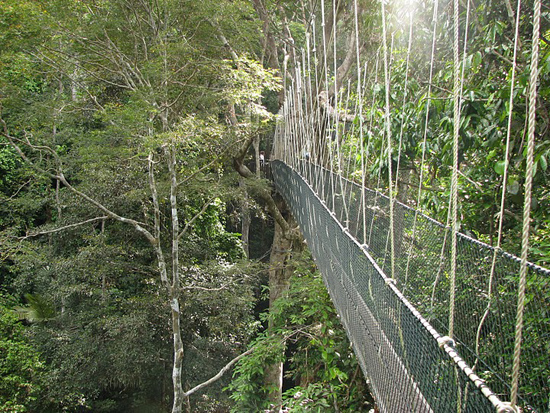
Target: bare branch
{"type": "Point", "coordinates": [223, 39]}
{"type": "Point", "coordinates": [474, 183]}
{"type": "Point", "coordinates": [52, 231]}
{"type": "Point", "coordinates": [204, 167]}
{"type": "Point", "coordinates": [231, 363]}
{"type": "Point", "coordinates": [20, 188]}
{"type": "Point", "coordinates": [197, 215]}
{"type": "Point", "coordinates": [220, 373]}
{"type": "Point", "coordinates": [197, 287]}
{"type": "Point", "coordinates": [344, 69]}
{"type": "Point", "coordinates": [239, 158]}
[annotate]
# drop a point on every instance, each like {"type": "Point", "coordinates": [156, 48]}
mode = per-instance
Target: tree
{"type": "Point", "coordinates": [140, 104]}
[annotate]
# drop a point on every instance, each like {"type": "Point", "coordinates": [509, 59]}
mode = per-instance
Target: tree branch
{"type": "Point", "coordinates": [198, 287]}
{"type": "Point", "coordinates": [204, 167]}
{"type": "Point", "coordinates": [220, 373]}
{"type": "Point", "coordinates": [36, 234]}
{"type": "Point", "coordinates": [197, 215]}
{"type": "Point", "coordinates": [270, 47]}
{"type": "Point", "coordinates": [346, 65]}
{"type": "Point", "coordinates": [265, 195]}
{"type": "Point", "coordinates": [223, 39]}
{"type": "Point", "coordinates": [232, 362]}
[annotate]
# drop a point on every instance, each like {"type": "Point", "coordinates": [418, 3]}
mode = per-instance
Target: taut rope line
{"type": "Point", "coordinates": [454, 182]}
{"type": "Point", "coordinates": [527, 201]}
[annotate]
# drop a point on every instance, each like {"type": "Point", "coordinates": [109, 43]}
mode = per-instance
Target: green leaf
{"type": "Point", "coordinates": [477, 59]}
{"type": "Point", "coordinates": [543, 163]}
{"type": "Point", "coordinates": [513, 187]}
{"type": "Point", "coordinates": [499, 167]}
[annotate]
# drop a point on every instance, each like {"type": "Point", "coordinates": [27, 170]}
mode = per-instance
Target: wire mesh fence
{"type": "Point", "coordinates": [390, 324]}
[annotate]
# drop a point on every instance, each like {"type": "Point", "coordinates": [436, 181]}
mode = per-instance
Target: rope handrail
{"type": "Point", "coordinates": [433, 221]}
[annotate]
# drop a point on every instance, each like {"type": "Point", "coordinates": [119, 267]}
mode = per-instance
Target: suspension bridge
{"type": "Point", "coordinates": [439, 321]}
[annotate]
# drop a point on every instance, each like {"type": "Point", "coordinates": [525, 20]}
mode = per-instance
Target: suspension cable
{"type": "Point", "coordinates": [504, 184]}
{"type": "Point", "coordinates": [405, 93]}
{"type": "Point", "coordinates": [529, 164]}
{"type": "Point", "coordinates": [388, 137]}
{"type": "Point", "coordinates": [454, 180]}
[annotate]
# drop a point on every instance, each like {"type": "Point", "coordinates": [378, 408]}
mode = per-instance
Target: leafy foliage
{"type": "Point", "coordinates": [21, 365]}
{"type": "Point", "coordinates": [320, 363]}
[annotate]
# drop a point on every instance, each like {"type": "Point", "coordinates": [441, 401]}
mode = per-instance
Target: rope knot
{"type": "Point", "coordinates": [507, 407]}
{"type": "Point", "coordinates": [446, 340]}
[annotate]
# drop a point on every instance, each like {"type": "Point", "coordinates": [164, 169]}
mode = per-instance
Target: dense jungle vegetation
{"type": "Point", "coordinates": [134, 259]}
{"type": "Point", "coordinates": [143, 250]}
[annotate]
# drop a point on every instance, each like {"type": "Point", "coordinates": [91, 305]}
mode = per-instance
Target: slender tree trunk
{"type": "Point", "coordinates": [177, 406]}
{"type": "Point", "coordinates": [245, 219]}
{"type": "Point", "coordinates": [74, 85]}
{"type": "Point", "coordinates": [256, 144]}
{"type": "Point", "coordinates": [175, 286]}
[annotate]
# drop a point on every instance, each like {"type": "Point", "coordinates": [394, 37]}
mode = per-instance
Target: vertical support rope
{"type": "Point", "coordinates": [404, 101]}
{"type": "Point", "coordinates": [527, 201]}
{"type": "Point", "coordinates": [309, 108]}
{"type": "Point", "coordinates": [360, 104]}
{"type": "Point", "coordinates": [388, 137]}
{"type": "Point", "coordinates": [371, 120]}
{"type": "Point", "coordinates": [327, 117]}
{"type": "Point", "coordinates": [454, 182]}
{"type": "Point", "coordinates": [504, 182]}
{"type": "Point", "coordinates": [360, 99]}
{"type": "Point", "coordinates": [318, 142]}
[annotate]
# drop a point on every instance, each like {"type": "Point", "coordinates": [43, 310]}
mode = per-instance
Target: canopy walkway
{"type": "Point", "coordinates": [393, 325]}
{"type": "Point", "coordinates": [439, 321]}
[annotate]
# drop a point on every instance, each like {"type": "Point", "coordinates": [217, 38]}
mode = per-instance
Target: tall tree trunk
{"type": "Point", "coordinates": [279, 278]}
{"type": "Point", "coordinates": [280, 271]}
{"type": "Point", "coordinates": [270, 52]}
{"type": "Point", "coordinates": [177, 407]}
